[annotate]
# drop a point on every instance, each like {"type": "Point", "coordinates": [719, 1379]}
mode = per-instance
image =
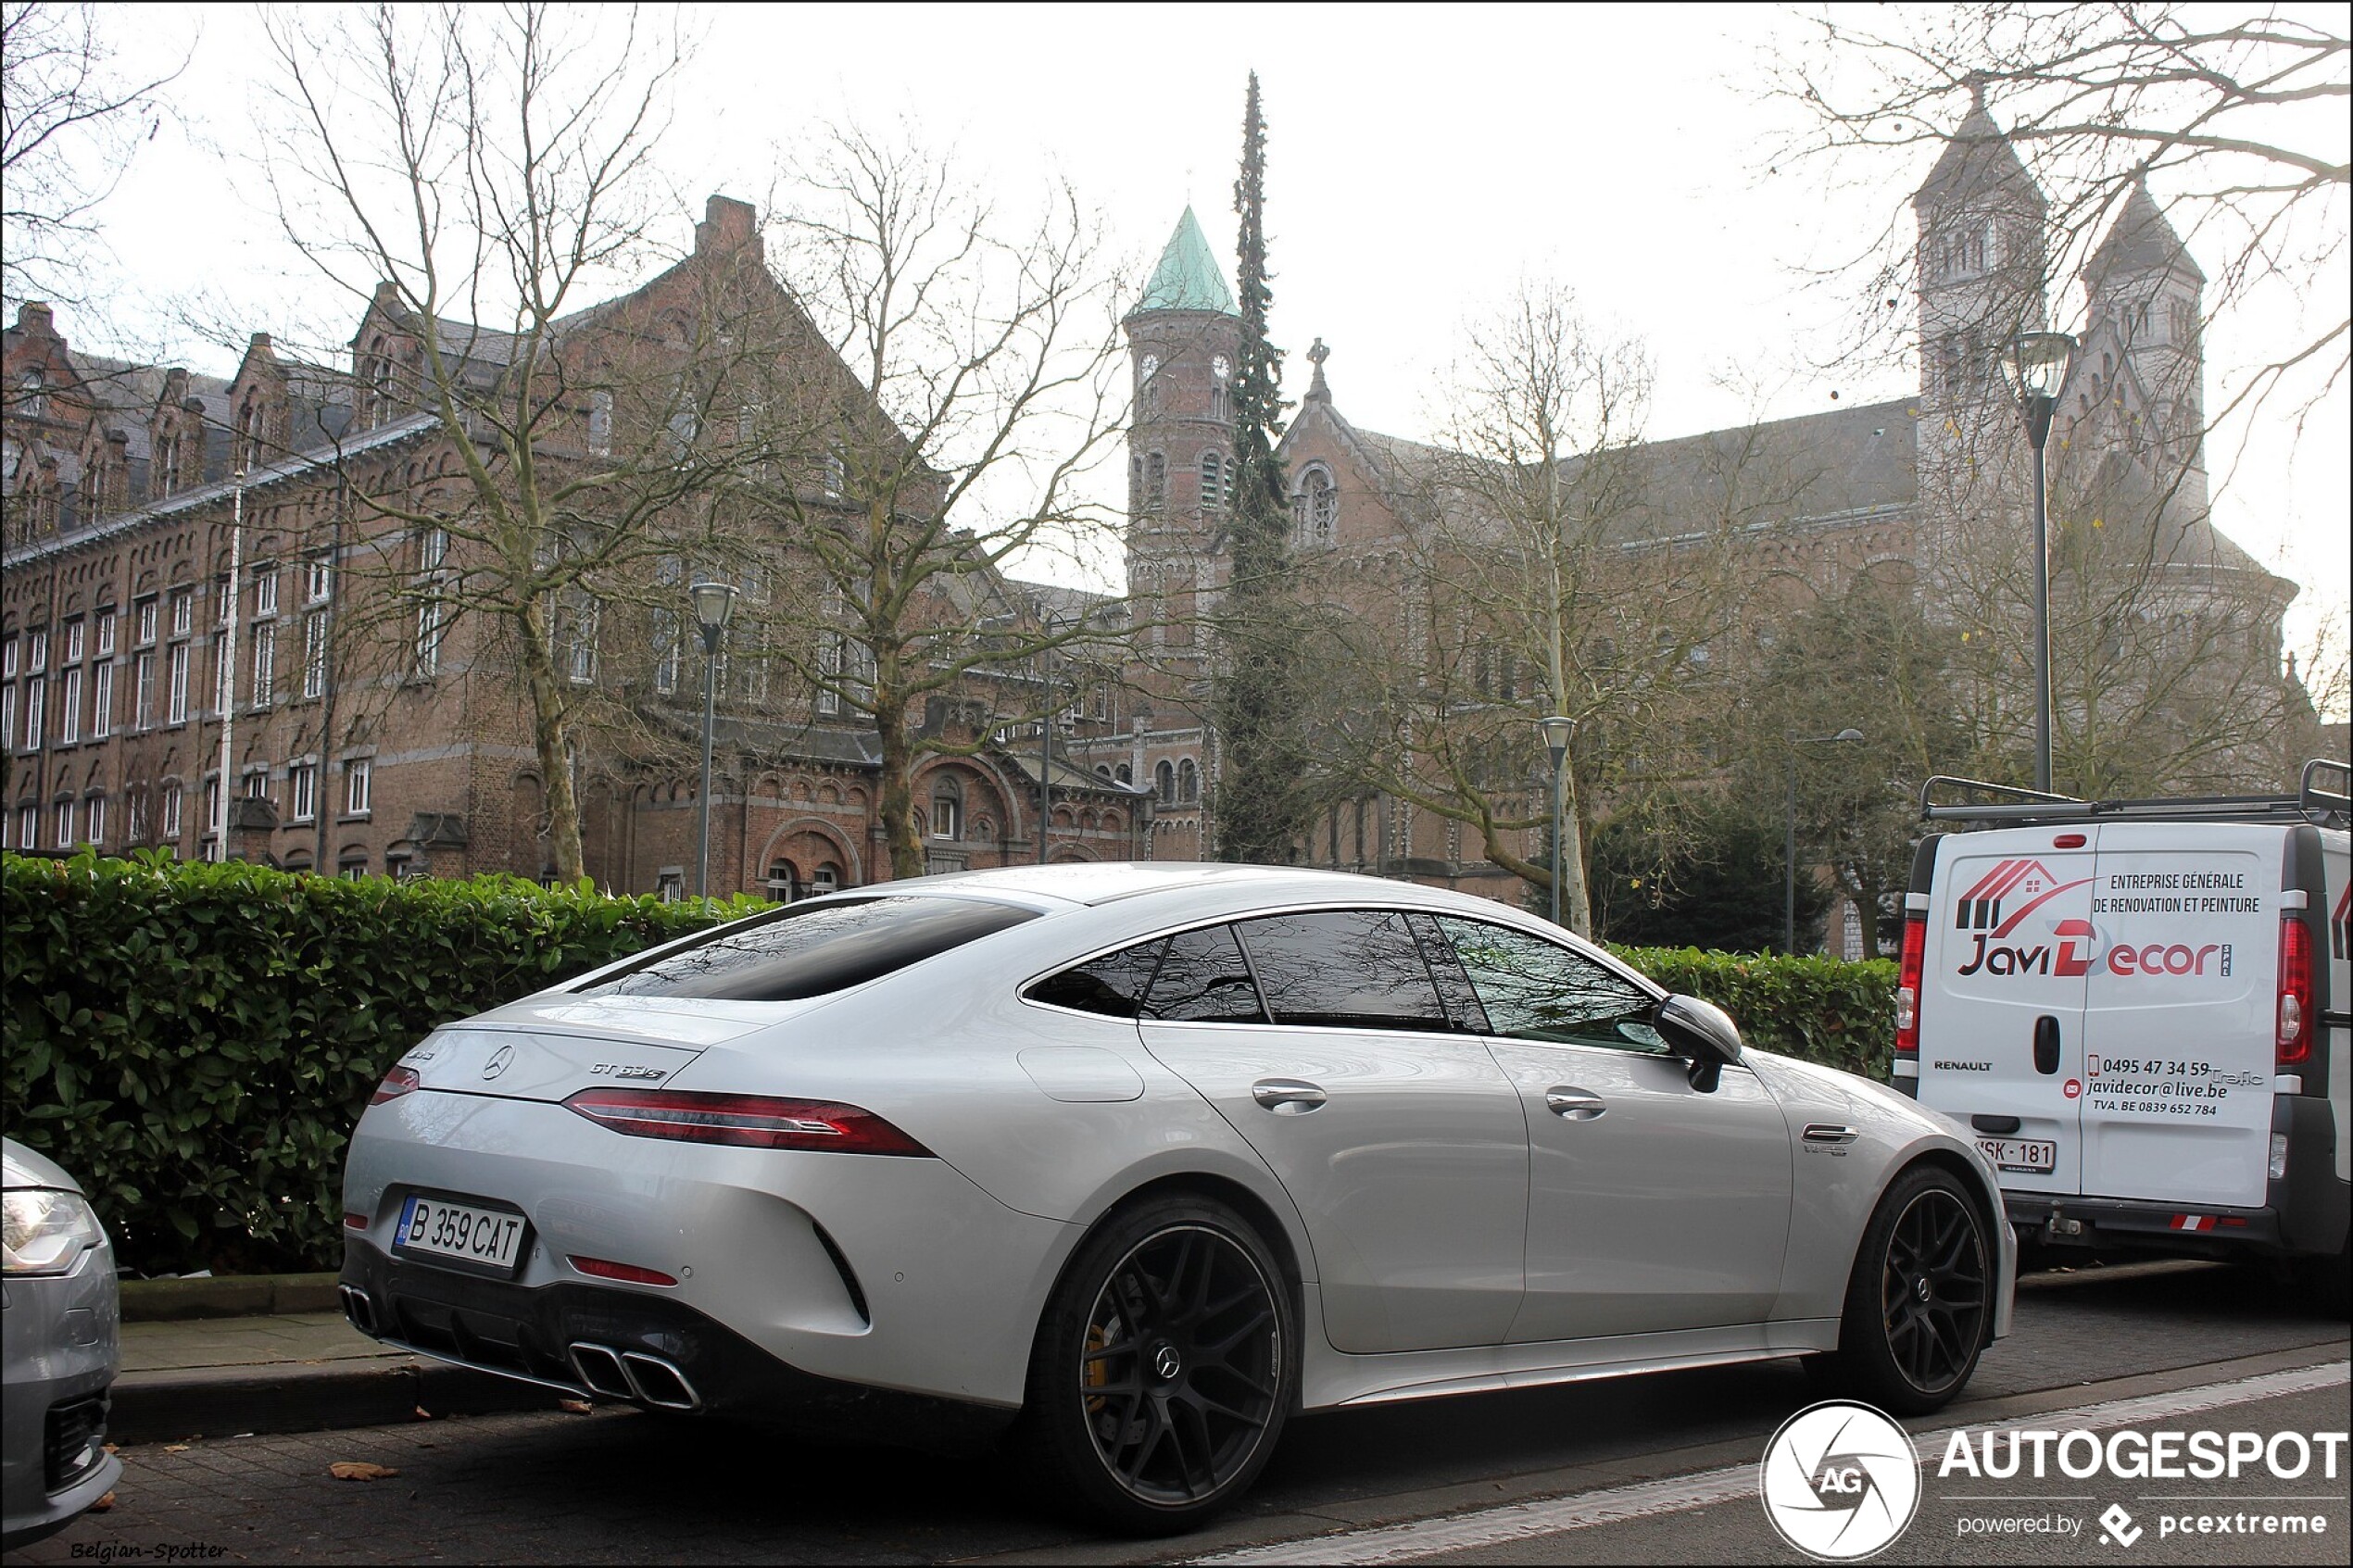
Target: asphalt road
{"type": "Point", "coordinates": [618, 1486]}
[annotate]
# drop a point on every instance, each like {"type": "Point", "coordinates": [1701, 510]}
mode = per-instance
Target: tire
{"type": "Point", "coordinates": [1919, 1307]}
{"type": "Point", "coordinates": [1165, 1366]}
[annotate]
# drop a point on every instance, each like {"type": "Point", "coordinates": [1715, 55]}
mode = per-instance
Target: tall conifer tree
{"type": "Point", "coordinates": [1262, 798]}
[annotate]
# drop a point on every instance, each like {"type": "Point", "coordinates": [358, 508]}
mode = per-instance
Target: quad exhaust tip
{"type": "Point", "coordinates": [634, 1375]}
{"type": "Point", "coordinates": [357, 1309]}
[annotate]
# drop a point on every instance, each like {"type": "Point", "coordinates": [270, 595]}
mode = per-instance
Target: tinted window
{"type": "Point", "coordinates": [1114, 984]}
{"type": "Point", "coordinates": [808, 951]}
{"type": "Point", "coordinates": [1202, 979]}
{"type": "Point", "coordinates": [1343, 969]}
{"type": "Point", "coordinates": [1532, 989]}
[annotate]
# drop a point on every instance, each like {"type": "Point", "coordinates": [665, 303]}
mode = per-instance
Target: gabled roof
{"type": "Point", "coordinates": [2140, 241]}
{"type": "Point", "coordinates": [1978, 158]}
{"type": "Point", "coordinates": [1187, 277]}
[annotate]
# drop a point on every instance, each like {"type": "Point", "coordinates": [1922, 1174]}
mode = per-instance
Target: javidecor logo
{"type": "Point", "coordinates": [1840, 1481]}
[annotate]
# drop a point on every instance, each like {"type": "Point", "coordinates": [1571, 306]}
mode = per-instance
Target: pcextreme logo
{"type": "Point", "coordinates": [1840, 1481]}
{"type": "Point", "coordinates": [1981, 911]}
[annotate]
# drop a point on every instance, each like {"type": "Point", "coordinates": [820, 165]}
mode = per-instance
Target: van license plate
{"type": "Point", "coordinates": [2037, 1157]}
{"type": "Point", "coordinates": [468, 1234]}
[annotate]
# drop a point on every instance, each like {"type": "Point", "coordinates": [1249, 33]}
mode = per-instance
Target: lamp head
{"type": "Point", "coordinates": [714, 603]}
{"type": "Point", "coordinates": [1556, 732]}
{"type": "Point", "coordinates": [2034, 364]}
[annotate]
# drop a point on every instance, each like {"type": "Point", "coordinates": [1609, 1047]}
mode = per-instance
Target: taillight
{"type": "Point", "coordinates": [745, 1121]}
{"type": "Point", "coordinates": [2296, 992]}
{"type": "Point", "coordinates": [1908, 985]}
{"type": "Point", "coordinates": [399, 1080]}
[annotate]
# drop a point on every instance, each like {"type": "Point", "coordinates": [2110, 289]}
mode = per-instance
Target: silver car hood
{"type": "Point", "coordinates": [22, 1167]}
{"type": "Point", "coordinates": [1814, 1077]}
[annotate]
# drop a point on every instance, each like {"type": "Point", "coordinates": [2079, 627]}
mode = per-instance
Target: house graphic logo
{"type": "Point", "coordinates": [1981, 909]}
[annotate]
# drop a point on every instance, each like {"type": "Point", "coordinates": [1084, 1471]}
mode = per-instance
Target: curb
{"type": "Point", "coordinates": [157, 1407]}
{"type": "Point", "coordinates": [226, 1295]}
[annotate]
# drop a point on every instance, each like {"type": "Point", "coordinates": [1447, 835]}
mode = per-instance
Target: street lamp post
{"type": "Point", "coordinates": [714, 603]}
{"type": "Point", "coordinates": [2036, 365]}
{"type": "Point", "coordinates": [1789, 831]}
{"type": "Point", "coordinates": [228, 681]}
{"type": "Point", "coordinates": [1556, 732]}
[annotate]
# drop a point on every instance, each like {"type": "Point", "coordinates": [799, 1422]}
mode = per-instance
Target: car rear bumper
{"type": "Point", "coordinates": [885, 1272]}
{"type": "Point", "coordinates": [2059, 1220]}
{"type": "Point", "coordinates": [600, 1343]}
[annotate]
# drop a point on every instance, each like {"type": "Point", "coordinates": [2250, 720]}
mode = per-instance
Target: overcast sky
{"type": "Point", "coordinates": [1422, 159]}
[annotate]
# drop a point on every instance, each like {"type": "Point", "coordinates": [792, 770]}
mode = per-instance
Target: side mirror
{"type": "Point", "coordinates": [1700, 1032]}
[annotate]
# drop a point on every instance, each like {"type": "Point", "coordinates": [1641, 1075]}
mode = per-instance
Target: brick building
{"type": "Point", "coordinates": [187, 557]}
{"type": "Point", "coordinates": [1910, 490]}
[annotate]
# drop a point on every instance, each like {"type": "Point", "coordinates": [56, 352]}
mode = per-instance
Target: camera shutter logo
{"type": "Point", "coordinates": [1840, 1481]}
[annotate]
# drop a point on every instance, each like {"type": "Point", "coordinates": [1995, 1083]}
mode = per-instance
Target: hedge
{"type": "Point", "coordinates": [1815, 1008]}
{"type": "Point", "coordinates": [194, 1041]}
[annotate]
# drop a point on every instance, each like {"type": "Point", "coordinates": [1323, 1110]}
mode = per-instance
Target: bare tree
{"type": "Point", "coordinates": [1560, 568]}
{"type": "Point", "coordinates": [475, 179]}
{"type": "Point", "coordinates": [69, 122]}
{"type": "Point", "coordinates": [983, 382]}
{"type": "Point", "coordinates": [2238, 124]}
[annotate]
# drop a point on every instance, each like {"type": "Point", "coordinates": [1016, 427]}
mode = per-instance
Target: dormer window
{"type": "Point", "coordinates": [379, 384]}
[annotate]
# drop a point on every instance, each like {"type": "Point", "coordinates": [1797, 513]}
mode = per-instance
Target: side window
{"type": "Point", "coordinates": [1532, 989]}
{"type": "Point", "coordinates": [1114, 984]}
{"type": "Point", "coordinates": [1343, 969]}
{"type": "Point", "coordinates": [1203, 979]}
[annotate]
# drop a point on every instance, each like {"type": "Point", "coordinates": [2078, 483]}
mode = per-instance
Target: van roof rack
{"type": "Point", "coordinates": [1948, 799]}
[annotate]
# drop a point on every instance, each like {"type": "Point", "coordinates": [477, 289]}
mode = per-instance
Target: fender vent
{"type": "Point", "coordinates": [848, 1277]}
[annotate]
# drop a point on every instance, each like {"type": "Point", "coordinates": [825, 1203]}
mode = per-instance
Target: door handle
{"type": "Point", "coordinates": [1286, 1096]}
{"type": "Point", "coordinates": [1575, 1105]}
{"type": "Point", "coordinates": [1829, 1132]}
{"type": "Point", "coordinates": [2046, 1045]}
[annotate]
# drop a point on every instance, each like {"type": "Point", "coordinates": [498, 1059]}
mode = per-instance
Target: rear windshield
{"type": "Point", "coordinates": [814, 950]}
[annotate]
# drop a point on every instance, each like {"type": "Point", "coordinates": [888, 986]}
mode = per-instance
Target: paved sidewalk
{"type": "Point", "coordinates": [296, 1372]}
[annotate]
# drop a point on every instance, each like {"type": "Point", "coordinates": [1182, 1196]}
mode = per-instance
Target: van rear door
{"type": "Point", "coordinates": [2178, 1023]}
{"type": "Point", "coordinates": [2008, 948]}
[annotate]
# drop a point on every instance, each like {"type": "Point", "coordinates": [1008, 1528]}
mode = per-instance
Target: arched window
{"type": "Point", "coordinates": [1123, 774]}
{"type": "Point", "coordinates": [1164, 784]}
{"type": "Point", "coordinates": [379, 384]}
{"type": "Point", "coordinates": [1213, 481]}
{"type": "Point", "coordinates": [1315, 506]}
{"type": "Point", "coordinates": [782, 882]}
{"type": "Point", "coordinates": [1221, 388]}
{"type": "Point", "coordinates": [947, 807]}
{"type": "Point", "coordinates": [825, 879]}
{"type": "Point", "coordinates": [1188, 781]}
{"type": "Point", "coordinates": [1156, 481]}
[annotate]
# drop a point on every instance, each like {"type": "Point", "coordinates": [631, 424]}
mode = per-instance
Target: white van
{"type": "Point", "coordinates": [2140, 1009]}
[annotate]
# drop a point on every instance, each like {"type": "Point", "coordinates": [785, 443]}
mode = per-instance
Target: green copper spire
{"type": "Point", "coordinates": [1187, 277]}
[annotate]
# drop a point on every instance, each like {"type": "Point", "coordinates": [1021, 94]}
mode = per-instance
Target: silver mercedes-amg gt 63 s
{"type": "Point", "coordinates": [1135, 1161]}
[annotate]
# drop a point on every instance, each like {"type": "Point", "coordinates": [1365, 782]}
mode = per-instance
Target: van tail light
{"type": "Point", "coordinates": [2296, 992]}
{"type": "Point", "coordinates": [1908, 985]}
{"type": "Point", "coordinates": [399, 1080]}
{"type": "Point", "coordinates": [744, 1121]}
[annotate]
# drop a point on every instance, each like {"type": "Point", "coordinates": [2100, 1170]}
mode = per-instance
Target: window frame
{"type": "Point", "coordinates": [1634, 979]}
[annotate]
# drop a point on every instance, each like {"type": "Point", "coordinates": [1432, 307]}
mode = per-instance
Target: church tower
{"type": "Point", "coordinates": [1182, 339]}
{"type": "Point", "coordinates": [2142, 367]}
{"type": "Point", "coordinates": [1980, 263]}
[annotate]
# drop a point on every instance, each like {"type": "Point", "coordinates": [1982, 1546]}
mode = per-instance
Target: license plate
{"type": "Point", "coordinates": [2037, 1157]}
{"type": "Point", "coordinates": [471, 1234]}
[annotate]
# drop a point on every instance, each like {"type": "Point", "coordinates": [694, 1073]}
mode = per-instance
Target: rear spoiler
{"type": "Point", "coordinates": [1948, 799]}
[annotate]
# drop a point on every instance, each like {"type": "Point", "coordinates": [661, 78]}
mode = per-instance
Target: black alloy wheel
{"type": "Point", "coordinates": [1162, 1372]}
{"type": "Point", "coordinates": [1933, 1289]}
{"type": "Point", "coordinates": [1920, 1303]}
